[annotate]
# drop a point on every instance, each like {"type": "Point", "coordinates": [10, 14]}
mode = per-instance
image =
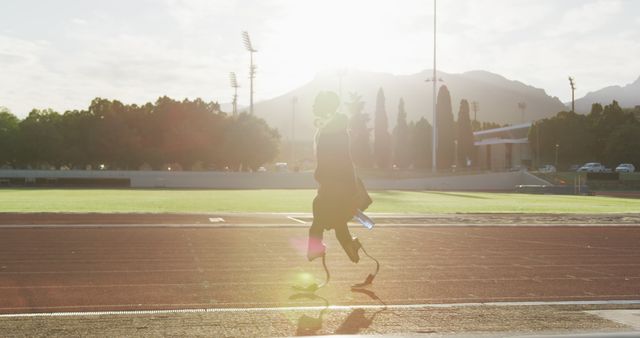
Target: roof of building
{"type": "Point", "coordinates": [492, 141]}
{"type": "Point", "coordinates": [517, 131]}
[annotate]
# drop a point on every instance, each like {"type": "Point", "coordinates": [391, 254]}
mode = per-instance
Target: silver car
{"type": "Point", "coordinates": [625, 168]}
{"type": "Point", "coordinates": [592, 167]}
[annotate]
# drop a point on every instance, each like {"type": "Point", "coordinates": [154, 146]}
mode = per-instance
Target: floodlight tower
{"type": "Point", "coordinates": [234, 85]}
{"type": "Point", "coordinates": [252, 67]}
{"type": "Point", "coordinates": [294, 100]}
{"type": "Point", "coordinates": [573, 89]}
{"type": "Point", "coordinates": [341, 73]}
{"type": "Point", "coordinates": [434, 167]}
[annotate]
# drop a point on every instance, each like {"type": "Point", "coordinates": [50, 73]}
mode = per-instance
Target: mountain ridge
{"type": "Point", "coordinates": [498, 98]}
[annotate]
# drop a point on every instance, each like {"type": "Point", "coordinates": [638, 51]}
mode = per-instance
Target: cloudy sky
{"type": "Point", "coordinates": [63, 53]}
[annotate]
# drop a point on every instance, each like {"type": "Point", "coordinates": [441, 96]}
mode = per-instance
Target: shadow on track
{"type": "Point", "coordinates": [357, 321]}
{"type": "Point", "coordinates": [308, 325]}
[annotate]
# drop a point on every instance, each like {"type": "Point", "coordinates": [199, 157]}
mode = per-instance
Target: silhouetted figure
{"type": "Point", "coordinates": [340, 192]}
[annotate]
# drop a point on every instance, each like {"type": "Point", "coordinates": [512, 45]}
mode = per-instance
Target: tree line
{"type": "Point", "coordinates": [410, 144]}
{"type": "Point", "coordinates": [609, 135]}
{"type": "Point", "coordinates": [181, 135]}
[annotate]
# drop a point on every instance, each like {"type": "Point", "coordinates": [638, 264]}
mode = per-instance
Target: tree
{"type": "Point", "coordinates": [8, 134]}
{"type": "Point", "coordinates": [569, 131]}
{"type": "Point", "coordinates": [445, 130]}
{"type": "Point", "coordinates": [623, 146]}
{"type": "Point", "coordinates": [41, 140]}
{"type": "Point", "coordinates": [382, 139]}
{"type": "Point", "coordinates": [466, 148]}
{"type": "Point", "coordinates": [249, 142]}
{"type": "Point", "coordinates": [604, 123]}
{"type": "Point", "coordinates": [401, 139]}
{"type": "Point", "coordinates": [360, 143]}
{"type": "Point", "coordinates": [421, 139]}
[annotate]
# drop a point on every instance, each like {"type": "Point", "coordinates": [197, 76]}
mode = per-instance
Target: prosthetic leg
{"type": "Point", "coordinates": [314, 286]}
{"type": "Point", "coordinates": [369, 280]}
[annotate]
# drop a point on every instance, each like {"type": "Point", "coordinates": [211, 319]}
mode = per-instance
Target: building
{"type": "Point", "coordinates": [504, 148]}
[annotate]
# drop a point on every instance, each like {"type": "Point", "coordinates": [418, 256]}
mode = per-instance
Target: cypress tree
{"type": "Point", "coordinates": [401, 139]}
{"type": "Point", "coordinates": [359, 132]}
{"type": "Point", "coordinates": [382, 139]}
{"type": "Point", "coordinates": [465, 136]}
{"type": "Point", "coordinates": [445, 130]}
{"type": "Point", "coordinates": [421, 139]}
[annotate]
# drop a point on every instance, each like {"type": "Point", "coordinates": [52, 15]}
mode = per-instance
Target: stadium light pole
{"type": "Point", "coordinates": [234, 85]}
{"type": "Point", "coordinates": [573, 99]}
{"type": "Point", "coordinates": [434, 167]}
{"type": "Point", "coordinates": [341, 73]}
{"type": "Point", "coordinates": [476, 107]}
{"type": "Point", "coordinates": [252, 67]}
{"type": "Point", "coordinates": [294, 100]}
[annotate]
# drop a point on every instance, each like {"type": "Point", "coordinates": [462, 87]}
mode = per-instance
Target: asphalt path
{"type": "Point", "coordinates": [63, 269]}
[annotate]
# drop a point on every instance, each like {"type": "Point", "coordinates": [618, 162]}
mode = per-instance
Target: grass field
{"type": "Point", "coordinates": [204, 201]}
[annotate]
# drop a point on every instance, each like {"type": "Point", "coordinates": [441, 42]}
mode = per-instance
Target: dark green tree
{"type": "Point", "coordinates": [401, 139]}
{"type": "Point", "coordinates": [421, 139]}
{"type": "Point", "coordinates": [466, 148]}
{"type": "Point", "coordinates": [8, 137]}
{"type": "Point", "coordinates": [249, 142]}
{"type": "Point", "coordinates": [359, 132]}
{"type": "Point", "coordinates": [445, 131]}
{"type": "Point", "coordinates": [623, 146]}
{"type": "Point", "coordinates": [41, 140]}
{"type": "Point", "coordinates": [382, 139]}
{"type": "Point", "coordinates": [569, 131]}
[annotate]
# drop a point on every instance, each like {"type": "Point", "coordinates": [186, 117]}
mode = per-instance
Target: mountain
{"type": "Point", "coordinates": [497, 96]}
{"type": "Point", "coordinates": [627, 96]}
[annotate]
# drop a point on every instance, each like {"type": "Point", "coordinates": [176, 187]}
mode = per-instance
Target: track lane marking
{"type": "Point", "coordinates": [317, 308]}
{"type": "Point", "coordinates": [300, 223]}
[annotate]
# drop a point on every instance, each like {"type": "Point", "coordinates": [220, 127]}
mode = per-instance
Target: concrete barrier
{"type": "Point", "coordinates": [502, 181]}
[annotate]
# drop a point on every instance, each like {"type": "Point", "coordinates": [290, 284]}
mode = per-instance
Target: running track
{"type": "Point", "coordinates": [61, 269]}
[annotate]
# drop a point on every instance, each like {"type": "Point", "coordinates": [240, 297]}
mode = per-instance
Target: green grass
{"type": "Point", "coordinates": [205, 201]}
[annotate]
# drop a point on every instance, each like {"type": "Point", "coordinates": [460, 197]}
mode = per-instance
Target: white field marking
{"type": "Point", "coordinates": [317, 308]}
{"type": "Point", "coordinates": [304, 224]}
{"type": "Point", "coordinates": [391, 281]}
{"type": "Point", "coordinates": [296, 220]}
{"type": "Point", "coordinates": [625, 317]}
{"type": "Point", "coordinates": [216, 219]}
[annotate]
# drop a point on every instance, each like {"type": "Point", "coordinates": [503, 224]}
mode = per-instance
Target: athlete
{"type": "Point", "coordinates": [340, 193]}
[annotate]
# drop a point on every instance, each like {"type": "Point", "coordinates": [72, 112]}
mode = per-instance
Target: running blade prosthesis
{"type": "Point", "coordinates": [315, 287]}
{"type": "Point", "coordinates": [369, 280]}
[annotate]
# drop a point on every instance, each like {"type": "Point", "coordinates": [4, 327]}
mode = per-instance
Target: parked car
{"type": "Point", "coordinates": [574, 167]}
{"type": "Point", "coordinates": [625, 168]}
{"type": "Point", "coordinates": [592, 167]}
{"type": "Point", "coordinates": [547, 168]}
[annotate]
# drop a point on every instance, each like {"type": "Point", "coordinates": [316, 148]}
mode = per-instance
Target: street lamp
{"type": "Point", "coordinates": [523, 107]}
{"type": "Point", "coordinates": [557, 146]}
{"type": "Point", "coordinates": [252, 67]}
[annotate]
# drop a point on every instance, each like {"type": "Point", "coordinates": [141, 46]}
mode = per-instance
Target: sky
{"type": "Point", "coordinates": [61, 54]}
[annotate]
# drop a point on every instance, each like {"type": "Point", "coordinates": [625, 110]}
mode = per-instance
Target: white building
{"type": "Point", "coordinates": [503, 148]}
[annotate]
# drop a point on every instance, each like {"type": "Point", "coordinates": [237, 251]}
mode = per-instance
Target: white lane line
{"type": "Point", "coordinates": [317, 308]}
{"type": "Point", "coordinates": [301, 223]}
{"type": "Point", "coordinates": [295, 219]}
{"type": "Point", "coordinates": [398, 281]}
